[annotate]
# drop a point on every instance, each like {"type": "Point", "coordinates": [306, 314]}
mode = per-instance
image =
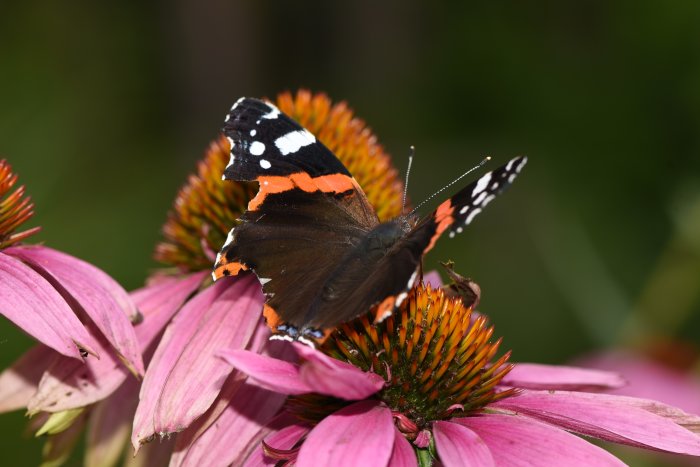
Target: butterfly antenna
{"type": "Point", "coordinates": [479, 165]}
{"type": "Point", "coordinates": [408, 172]}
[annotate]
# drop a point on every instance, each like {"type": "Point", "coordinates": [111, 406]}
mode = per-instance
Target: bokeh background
{"type": "Point", "coordinates": [106, 107]}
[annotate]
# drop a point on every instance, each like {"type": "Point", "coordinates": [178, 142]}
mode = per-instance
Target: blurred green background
{"type": "Point", "coordinates": [106, 107]}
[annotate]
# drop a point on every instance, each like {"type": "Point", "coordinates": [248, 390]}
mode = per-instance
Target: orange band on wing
{"type": "Point", "coordinates": [272, 319]}
{"type": "Point", "coordinates": [384, 309]}
{"type": "Point", "coordinates": [335, 183]}
{"type": "Point", "coordinates": [229, 269]}
{"type": "Point", "coordinates": [443, 219]}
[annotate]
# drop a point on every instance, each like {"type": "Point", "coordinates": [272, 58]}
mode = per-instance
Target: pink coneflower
{"type": "Point", "coordinates": [424, 387]}
{"type": "Point", "coordinates": [66, 304]}
{"type": "Point", "coordinates": [187, 389]}
{"type": "Point", "coordinates": [81, 317]}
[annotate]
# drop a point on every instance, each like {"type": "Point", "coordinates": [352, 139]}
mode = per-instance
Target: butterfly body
{"type": "Point", "coordinates": [311, 236]}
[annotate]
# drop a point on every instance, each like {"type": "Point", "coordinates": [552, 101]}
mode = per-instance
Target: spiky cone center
{"type": "Point", "coordinates": [207, 207]}
{"type": "Point", "coordinates": [15, 208]}
{"type": "Point", "coordinates": [438, 362]}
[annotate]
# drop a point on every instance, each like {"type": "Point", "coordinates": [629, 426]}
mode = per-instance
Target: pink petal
{"type": "Point", "coordinates": [519, 441]}
{"type": "Point", "coordinates": [326, 375]}
{"type": "Point", "coordinates": [359, 434]}
{"type": "Point", "coordinates": [109, 425]}
{"type": "Point", "coordinates": [198, 376]}
{"type": "Point", "coordinates": [457, 445]}
{"type": "Point", "coordinates": [105, 302]}
{"type": "Point", "coordinates": [650, 380]}
{"type": "Point", "coordinates": [433, 278]}
{"type": "Point", "coordinates": [236, 432]}
{"type": "Point", "coordinates": [286, 438]}
{"type": "Point", "coordinates": [403, 454]}
{"type": "Point", "coordinates": [159, 302]}
{"type": "Point", "coordinates": [19, 382]}
{"type": "Point", "coordinates": [613, 418]}
{"type": "Point", "coordinates": [269, 373]}
{"type": "Point", "coordinates": [537, 376]}
{"type": "Point", "coordinates": [29, 301]}
{"type": "Point", "coordinates": [69, 384]}
{"type": "Point", "coordinates": [184, 376]}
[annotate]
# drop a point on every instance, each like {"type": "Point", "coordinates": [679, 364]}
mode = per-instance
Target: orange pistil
{"type": "Point", "coordinates": [434, 355]}
{"type": "Point", "coordinates": [15, 208]}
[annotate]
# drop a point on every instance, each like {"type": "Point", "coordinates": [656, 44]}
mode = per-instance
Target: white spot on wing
{"type": "Point", "coordinates": [451, 234]}
{"type": "Point", "coordinates": [253, 132]}
{"type": "Point", "coordinates": [264, 280]}
{"type": "Point", "coordinates": [306, 341]}
{"type": "Point", "coordinates": [273, 113]}
{"type": "Point", "coordinates": [293, 141]}
{"type": "Point", "coordinates": [477, 201]}
{"type": "Point", "coordinates": [412, 279]}
{"type": "Point", "coordinates": [236, 103]}
{"type": "Point", "coordinates": [265, 164]}
{"type": "Point", "coordinates": [230, 162]}
{"type": "Point", "coordinates": [229, 238]}
{"type": "Point", "coordinates": [281, 337]}
{"type": "Point", "coordinates": [400, 298]}
{"type": "Point", "coordinates": [257, 148]}
{"type": "Point", "coordinates": [481, 184]}
{"type": "Point", "coordinates": [464, 209]}
{"type": "Point", "coordinates": [471, 216]}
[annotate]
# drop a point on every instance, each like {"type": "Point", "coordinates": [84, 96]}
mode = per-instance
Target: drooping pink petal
{"type": "Point", "coordinates": [69, 384]}
{"type": "Point", "coordinates": [221, 316]}
{"type": "Point", "coordinates": [29, 301]}
{"type": "Point", "coordinates": [286, 439]}
{"type": "Point", "coordinates": [403, 454]}
{"type": "Point", "coordinates": [326, 375]}
{"type": "Point", "coordinates": [538, 376]}
{"type": "Point", "coordinates": [159, 302]}
{"type": "Point", "coordinates": [109, 425]}
{"type": "Point", "coordinates": [359, 434]}
{"type": "Point", "coordinates": [614, 418]}
{"type": "Point", "coordinates": [19, 382]}
{"type": "Point", "coordinates": [236, 432]}
{"type": "Point", "coordinates": [198, 376]}
{"type": "Point", "coordinates": [260, 343]}
{"type": "Point", "coordinates": [649, 379]}
{"type": "Point", "coordinates": [457, 445]}
{"type": "Point", "coordinates": [101, 297]}
{"type": "Point", "coordinates": [519, 441]}
{"type": "Point", "coordinates": [269, 373]}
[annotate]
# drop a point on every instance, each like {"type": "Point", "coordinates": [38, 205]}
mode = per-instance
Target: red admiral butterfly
{"type": "Point", "coordinates": [311, 236]}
